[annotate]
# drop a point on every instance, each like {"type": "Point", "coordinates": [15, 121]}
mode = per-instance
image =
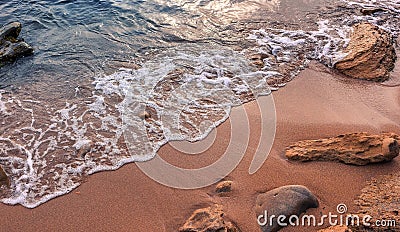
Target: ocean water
{"type": "Point", "coordinates": [100, 64]}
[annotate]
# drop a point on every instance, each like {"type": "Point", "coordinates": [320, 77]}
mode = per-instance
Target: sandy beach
{"type": "Point", "coordinates": [316, 104]}
{"type": "Point", "coordinates": [88, 88]}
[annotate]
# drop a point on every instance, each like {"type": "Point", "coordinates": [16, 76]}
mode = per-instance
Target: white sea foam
{"type": "Point", "coordinates": [392, 5]}
{"type": "Point", "coordinates": [326, 44]}
{"type": "Point", "coordinates": [181, 88]}
{"type": "Point", "coordinates": [3, 108]}
{"type": "Point", "coordinates": [388, 19]}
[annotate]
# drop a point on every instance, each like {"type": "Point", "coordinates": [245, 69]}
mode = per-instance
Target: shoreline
{"type": "Point", "coordinates": [127, 199]}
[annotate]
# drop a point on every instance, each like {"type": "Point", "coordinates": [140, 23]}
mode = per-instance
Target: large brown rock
{"type": "Point", "coordinates": [355, 148]}
{"type": "Point", "coordinates": [211, 219]}
{"type": "Point", "coordinates": [371, 53]}
{"type": "Point", "coordinates": [287, 201]}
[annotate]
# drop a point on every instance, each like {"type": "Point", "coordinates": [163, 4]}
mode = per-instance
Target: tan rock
{"type": "Point", "coordinates": [257, 59]}
{"type": "Point", "coordinates": [211, 219]}
{"type": "Point", "coordinates": [144, 115]}
{"type": "Point", "coordinates": [371, 53]}
{"type": "Point", "coordinates": [355, 148]}
{"type": "Point", "coordinates": [336, 229]}
{"type": "Point", "coordinates": [380, 200]}
{"type": "Point", "coordinates": [258, 63]}
{"type": "Point", "coordinates": [224, 186]}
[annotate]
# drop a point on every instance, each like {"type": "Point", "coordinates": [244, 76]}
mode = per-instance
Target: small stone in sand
{"type": "Point", "coordinates": [224, 186]}
{"type": "Point", "coordinates": [211, 219]}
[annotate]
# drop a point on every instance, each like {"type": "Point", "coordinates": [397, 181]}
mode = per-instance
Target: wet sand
{"type": "Point", "coordinates": [316, 104]}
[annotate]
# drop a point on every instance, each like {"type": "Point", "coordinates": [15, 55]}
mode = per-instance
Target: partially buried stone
{"type": "Point", "coordinates": [285, 202]}
{"type": "Point", "coordinates": [224, 186]}
{"type": "Point", "coordinates": [211, 219]}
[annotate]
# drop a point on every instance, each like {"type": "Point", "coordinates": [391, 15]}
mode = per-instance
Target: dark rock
{"type": "Point", "coordinates": [355, 148]}
{"type": "Point", "coordinates": [11, 47]}
{"type": "Point", "coordinates": [10, 51]}
{"type": "Point", "coordinates": [370, 54]}
{"type": "Point", "coordinates": [287, 201]}
{"type": "Point", "coordinates": [10, 31]}
{"type": "Point", "coordinates": [211, 219]}
{"type": "Point", "coordinates": [371, 11]}
{"type": "Point", "coordinates": [258, 56]}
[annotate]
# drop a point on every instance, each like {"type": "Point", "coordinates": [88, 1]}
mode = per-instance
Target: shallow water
{"type": "Point", "coordinates": [69, 110]}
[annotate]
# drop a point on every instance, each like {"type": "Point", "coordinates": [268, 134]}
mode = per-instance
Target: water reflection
{"type": "Point", "coordinates": [76, 40]}
{"type": "Point", "coordinates": [223, 11]}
